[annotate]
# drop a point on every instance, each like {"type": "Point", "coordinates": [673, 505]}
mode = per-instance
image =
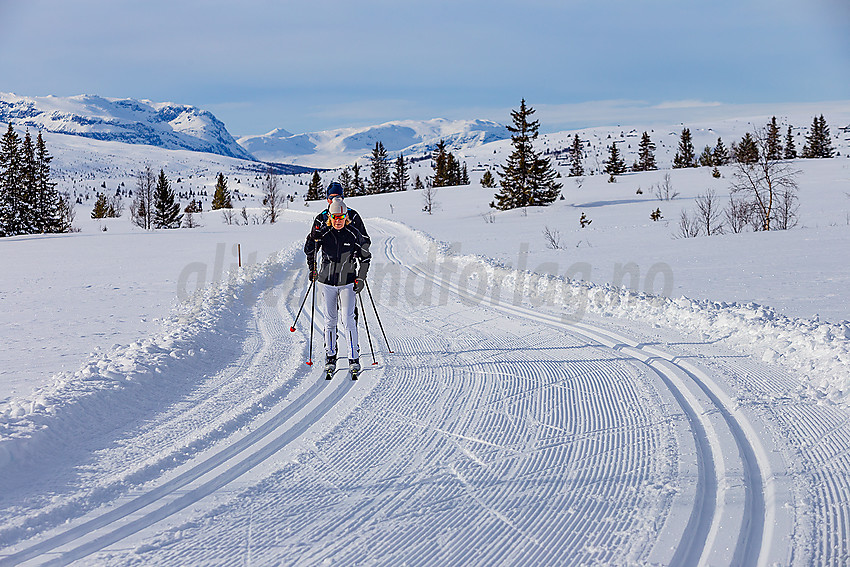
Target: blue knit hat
{"type": "Point", "coordinates": [334, 190]}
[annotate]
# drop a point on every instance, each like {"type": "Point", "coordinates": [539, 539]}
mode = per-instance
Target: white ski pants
{"type": "Point", "coordinates": [345, 297]}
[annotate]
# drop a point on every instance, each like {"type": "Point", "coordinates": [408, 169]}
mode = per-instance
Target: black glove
{"type": "Point", "coordinates": [359, 285]}
{"type": "Point", "coordinates": [314, 275]}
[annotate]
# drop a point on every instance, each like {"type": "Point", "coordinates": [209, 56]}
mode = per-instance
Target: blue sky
{"type": "Point", "coordinates": [322, 64]}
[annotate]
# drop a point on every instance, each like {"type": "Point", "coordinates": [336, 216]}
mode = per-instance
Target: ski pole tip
{"type": "Point", "coordinates": [292, 329]}
{"type": "Point", "coordinates": [309, 363]}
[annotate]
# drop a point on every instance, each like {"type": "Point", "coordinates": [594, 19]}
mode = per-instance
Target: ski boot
{"type": "Point", "coordinates": [354, 367]}
{"type": "Point", "coordinates": [330, 366]}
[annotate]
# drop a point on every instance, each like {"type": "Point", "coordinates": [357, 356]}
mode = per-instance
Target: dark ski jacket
{"type": "Point", "coordinates": [345, 254]}
{"type": "Point", "coordinates": [320, 223]}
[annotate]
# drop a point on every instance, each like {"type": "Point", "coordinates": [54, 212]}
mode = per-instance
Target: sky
{"type": "Point", "coordinates": [309, 66]}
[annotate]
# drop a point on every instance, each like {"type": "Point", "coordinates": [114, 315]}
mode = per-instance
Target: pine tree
{"type": "Point", "coordinates": [685, 157]}
{"type": "Point", "coordinates": [442, 165]}
{"type": "Point", "coordinates": [380, 181]}
{"type": "Point", "coordinates": [417, 184]}
{"type": "Point", "coordinates": [221, 196]}
{"type": "Point", "coordinates": [27, 205]}
{"type": "Point", "coordinates": [576, 158]}
{"type": "Point", "coordinates": [166, 212]}
{"type": "Point", "coordinates": [646, 154]}
{"type": "Point", "coordinates": [400, 175]}
{"type": "Point", "coordinates": [488, 181]}
{"type": "Point", "coordinates": [345, 180]}
{"type": "Point", "coordinates": [747, 151]}
{"type": "Point", "coordinates": [358, 186]}
{"type": "Point", "coordinates": [615, 165]}
{"type": "Point", "coordinates": [774, 145]}
{"type": "Point", "coordinates": [720, 155]}
{"type": "Point", "coordinates": [818, 143]}
{"type": "Point", "coordinates": [11, 186]}
{"type": "Point", "coordinates": [314, 190]}
{"type": "Point", "coordinates": [528, 179]}
{"type": "Point", "coordinates": [790, 147]}
{"type": "Point", "coordinates": [101, 207]}
{"type": "Point", "coordinates": [48, 201]}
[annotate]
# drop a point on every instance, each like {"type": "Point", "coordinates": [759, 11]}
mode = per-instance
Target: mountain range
{"type": "Point", "coordinates": [176, 126]}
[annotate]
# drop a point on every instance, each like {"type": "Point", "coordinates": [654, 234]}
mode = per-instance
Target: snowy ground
{"type": "Point", "coordinates": [520, 420]}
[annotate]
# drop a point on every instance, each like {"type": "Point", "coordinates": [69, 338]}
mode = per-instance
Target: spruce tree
{"type": "Point", "coordinates": [101, 207]}
{"type": "Point", "coordinates": [818, 143]}
{"type": "Point", "coordinates": [358, 186]}
{"type": "Point", "coordinates": [488, 181]}
{"type": "Point", "coordinates": [442, 166]}
{"type": "Point", "coordinates": [221, 196]}
{"type": "Point", "coordinates": [400, 175]}
{"type": "Point", "coordinates": [646, 154]}
{"type": "Point", "coordinates": [344, 179]}
{"type": "Point", "coordinates": [747, 152]}
{"type": "Point", "coordinates": [720, 155]}
{"type": "Point", "coordinates": [686, 156]}
{"type": "Point", "coordinates": [166, 213]}
{"type": "Point", "coordinates": [27, 205]}
{"type": "Point", "coordinates": [774, 144]}
{"type": "Point", "coordinates": [314, 189]}
{"type": "Point", "coordinates": [576, 158]}
{"type": "Point", "coordinates": [380, 181]}
{"type": "Point", "coordinates": [48, 200]}
{"type": "Point", "coordinates": [527, 179]}
{"type": "Point", "coordinates": [11, 186]}
{"type": "Point", "coordinates": [790, 147]}
{"type": "Point", "coordinates": [614, 165]}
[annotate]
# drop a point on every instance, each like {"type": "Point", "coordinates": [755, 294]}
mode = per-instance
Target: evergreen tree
{"type": "Point", "coordinates": [774, 144]}
{"type": "Point", "coordinates": [488, 181]}
{"type": "Point", "coordinates": [615, 165]}
{"type": "Point", "coordinates": [166, 213]}
{"type": "Point", "coordinates": [646, 154]}
{"type": "Point", "coordinates": [442, 165]}
{"type": "Point", "coordinates": [221, 196]}
{"type": "Point", "coordinates": [720, 155]}
{"type": "Point", "coordinates": [706, 158]}
{"type": "Point", "coordinates": [380, 181]}
{"type": "Point", "coordinates": [464, 175]}
{"type": "Point", "coordinates": [417, 184]}
{"type": "Point", "coordinates": [314, 190]}
{"type": "Point", "coordinates": [790, 147]}
{"type": "Point", "coordinates": [101, 207]}
{"type": "Point", "coordinates": [11, 183]}
{"type": "Point", "coordinates": [27, 205]}
{"type": "Point", "coordinates": [358, 186]}
{"type": "Point", "coordinates": [400, 175]}
{"type": "Point", "coordinates": [528, 179]}
{"type": "Point", "coordinates": [576, 158]}
{"type": "Point", "coordinates": [747, 151]}
{"type": "Point", "coordinates": [345, 180]}
{"type": "Point", "coordinates": [818, 143]}
{"type": "Point", "coordinates": [48, 201]}
{"type": "Point", "coordinates": [686, 156]}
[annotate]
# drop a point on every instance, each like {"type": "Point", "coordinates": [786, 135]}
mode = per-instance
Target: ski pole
{"type": "Point", "coordinates": [378, 317]}
{"type": "Point", "coordinates": [310, 287]}
{"type": "Point", "coordinates": [368, 336]}
{"type": "Point", "coordinates": [312, 326]}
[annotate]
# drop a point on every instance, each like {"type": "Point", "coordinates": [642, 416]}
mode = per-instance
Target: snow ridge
{"type": "Point", "coordinates": [817, 352]}
{"type": "Point", "coordinates": [196, 330]}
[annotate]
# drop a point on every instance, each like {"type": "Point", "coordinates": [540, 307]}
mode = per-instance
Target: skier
{"type": "Point", "coordinates": [345, 262]}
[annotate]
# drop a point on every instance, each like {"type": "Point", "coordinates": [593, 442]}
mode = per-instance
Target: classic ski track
{"type": "Point", "coordinates": [753, 529]}
{"type": "Point", "coordinates": [201, 479]}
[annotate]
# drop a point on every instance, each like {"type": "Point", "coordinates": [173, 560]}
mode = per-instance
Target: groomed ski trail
{"type": "Point", "coordinates": [497, 434]}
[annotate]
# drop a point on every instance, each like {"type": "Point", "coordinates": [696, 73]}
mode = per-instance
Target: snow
{"type": "Point", "coordinates": [678, 401]}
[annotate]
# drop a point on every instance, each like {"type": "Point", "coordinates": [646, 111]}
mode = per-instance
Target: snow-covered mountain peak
{"type": "Point", "coordinates": [341, 146]}
{"type": "Point", "coordinates": [163, 124]}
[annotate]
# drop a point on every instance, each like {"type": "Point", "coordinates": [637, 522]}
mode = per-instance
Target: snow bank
{"type": "Point", "coordinates": [192, 333]}
{"type": "Point", "coordinates": [817, 352]}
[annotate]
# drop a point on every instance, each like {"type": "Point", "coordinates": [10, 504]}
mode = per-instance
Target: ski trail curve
{"type": "Point", "coordinates": [711, 528]}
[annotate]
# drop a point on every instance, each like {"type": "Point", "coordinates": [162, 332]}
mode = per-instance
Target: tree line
{"type": "Point", "coordinates": [29, 200]}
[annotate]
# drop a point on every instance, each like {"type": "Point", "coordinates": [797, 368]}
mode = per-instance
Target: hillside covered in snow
{"type": "Point", "coordinates": [162, 124]}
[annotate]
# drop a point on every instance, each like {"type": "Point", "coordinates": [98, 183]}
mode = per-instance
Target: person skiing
{"type": "Point", "coordinates": [344, 263]}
